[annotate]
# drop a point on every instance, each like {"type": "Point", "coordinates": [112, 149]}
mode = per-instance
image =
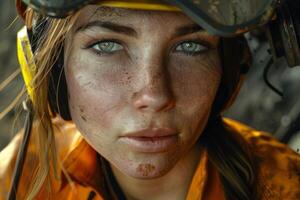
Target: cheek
{"type": "Point", "coordinates": [195, 90]}
{"type": "Point", "coordinates": [196, 83]}
{"type": "Point", "coordinates": [97, 93]}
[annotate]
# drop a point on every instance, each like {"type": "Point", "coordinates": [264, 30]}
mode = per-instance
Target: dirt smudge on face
{"type": "Point", "coordinates": [82, 114]}
{"type": "Point", "coordinates": [83, 118]}
{"type": "Point", "coordinates": [145, 169]}
{"type": "Point", "coordinates": [88, 84]}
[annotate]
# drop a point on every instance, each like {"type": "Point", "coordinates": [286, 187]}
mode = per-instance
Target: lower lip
{"type": "Point", "coordinates": [151, 144]}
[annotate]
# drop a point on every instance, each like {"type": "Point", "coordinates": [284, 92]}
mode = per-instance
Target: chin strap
{"type": "Point", "coordinates": [22, 151]}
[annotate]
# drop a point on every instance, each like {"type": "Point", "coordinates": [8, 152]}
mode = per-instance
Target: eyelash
{"type": "Point", "coordinates": [205, 47]}
{"type": "Point", "coordinates": [91, 46]}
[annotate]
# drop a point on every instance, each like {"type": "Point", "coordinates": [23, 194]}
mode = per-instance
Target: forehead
{"type": "Point", "coordinates": [130, 16]}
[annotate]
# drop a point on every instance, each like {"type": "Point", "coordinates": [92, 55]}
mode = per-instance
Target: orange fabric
{"type": "Point", "coordinates": [278, 168]}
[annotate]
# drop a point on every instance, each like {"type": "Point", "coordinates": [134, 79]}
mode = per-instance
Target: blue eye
{"type": "Point", "coordinates": [107, 47]}
{"type": "Point", "coordinates": [190, 48]}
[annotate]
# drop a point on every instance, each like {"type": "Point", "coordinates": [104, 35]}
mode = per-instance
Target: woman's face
{"type": "Point", "coordinates": [141, 85]}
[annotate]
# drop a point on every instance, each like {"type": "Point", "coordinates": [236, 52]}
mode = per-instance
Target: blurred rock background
{"type": "Point", "coordinates": [9, 25]}
{"type": "Point", "coordinates": [256, 105]}
{"type": "Point", "coordinates": [260, 107]}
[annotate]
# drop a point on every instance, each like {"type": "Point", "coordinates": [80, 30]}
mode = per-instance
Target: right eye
{"type": "Point", "coordinates": [107, 47]}
{"type": "Point", "coordinates": [191, 48]}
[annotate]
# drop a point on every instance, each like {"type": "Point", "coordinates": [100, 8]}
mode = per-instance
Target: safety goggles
{"type": "Point", "coordinates": [219, 17]}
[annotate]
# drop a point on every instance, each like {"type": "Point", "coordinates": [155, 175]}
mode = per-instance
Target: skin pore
{"type": "Point", "coordinates": [129, 71]}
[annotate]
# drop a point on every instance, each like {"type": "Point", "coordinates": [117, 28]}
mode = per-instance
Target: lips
{"type": "Point", "coordinates": [153, 140]}
{"type": "Point", "coordinates": [152, 132]}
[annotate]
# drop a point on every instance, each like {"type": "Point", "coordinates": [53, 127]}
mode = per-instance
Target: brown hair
{"type": "Point", "coordinates": [48, 48]}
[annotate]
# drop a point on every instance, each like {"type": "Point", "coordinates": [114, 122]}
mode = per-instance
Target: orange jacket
{"type": "Point", "coordinates": [278, 168]}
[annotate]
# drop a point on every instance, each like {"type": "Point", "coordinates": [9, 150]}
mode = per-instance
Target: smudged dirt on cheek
{"type": "Point", "coordinates": [145, 169]}
{"type": "Point", "coordinates": [82, 114]}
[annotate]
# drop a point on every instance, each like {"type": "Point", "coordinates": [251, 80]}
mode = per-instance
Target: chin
{"type": "Point", "coordinates": [148, 167]}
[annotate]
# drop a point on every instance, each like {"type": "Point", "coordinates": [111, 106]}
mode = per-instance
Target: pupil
{"type": "Point", "coordinates": [106, 46]}
{"type": "Point", "coordinates": [189, 46]}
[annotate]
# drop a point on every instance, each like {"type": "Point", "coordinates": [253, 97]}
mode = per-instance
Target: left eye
{"type": "Point", "coordinates": [190, 48]}
{"type": "Point", "coordinates": [107, 47]}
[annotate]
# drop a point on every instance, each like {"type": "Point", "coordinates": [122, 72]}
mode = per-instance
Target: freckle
{"type": "Point", "coordinates": [145, 169]}
{"type": "Point", "coordinates": [81, 109]}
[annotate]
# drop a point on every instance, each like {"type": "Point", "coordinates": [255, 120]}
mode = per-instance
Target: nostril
{"type": "Point", "coordinates": [143, 107]}
{"type": "Point", "coordinates": [170, 105]}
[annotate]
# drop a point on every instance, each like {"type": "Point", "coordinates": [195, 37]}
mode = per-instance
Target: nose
{"type": "Point", "coordinates": [155, 95]}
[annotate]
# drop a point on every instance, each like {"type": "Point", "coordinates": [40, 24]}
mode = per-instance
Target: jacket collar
{"type": "Point", "coordinates": [78, 161]}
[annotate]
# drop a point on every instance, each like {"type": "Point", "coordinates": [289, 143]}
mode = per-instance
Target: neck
{"type": "Point", "coordinates": [173, 185]}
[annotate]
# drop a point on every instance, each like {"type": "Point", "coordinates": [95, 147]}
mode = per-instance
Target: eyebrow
{"type": "Point", "coordinates": [181, 31]}
{"type": "Point", "coordinates": [110, 26]}
{"type": "Point", "coordinates": [188, 29]}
